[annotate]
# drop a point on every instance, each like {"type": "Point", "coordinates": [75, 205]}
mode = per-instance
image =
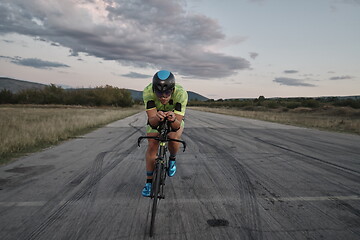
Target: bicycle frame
{"type": "Point", "coordinates": [164, 129]}
{"type": "Point", "coordinates": [161, 166]}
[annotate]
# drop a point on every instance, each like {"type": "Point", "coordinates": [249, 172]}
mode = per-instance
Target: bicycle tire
{"type": "Point", "coordinates": [156, 189]}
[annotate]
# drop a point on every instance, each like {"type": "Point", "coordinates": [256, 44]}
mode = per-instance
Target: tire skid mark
{"type": "Point", "coordinates": [90, 195]}
{"type": "Point", "coordinates": [295, 218]}
{"type": "Point", "coordinates": [293, 215]}
{"type": "Point", "coordinates": [206, 209]}
{"type": "Point", "coordinates": [348, 170]}
{"type": "Point", "coordinates": [96, 174]}
{"type": "Point", "coordinates": [177, 203]}
{"type": "Point", "coordinates": [206, 204]}
{"type": "Point", "coordinates": [331, 169]}
{"type": "Point", "coordinates": [308, 141]}
{"type": "Point", "coordinates": [95, 177]}
{"type": "Point", "coordinates": [251, 219]}
{"type": "Point", "coordinates": [330, 164]}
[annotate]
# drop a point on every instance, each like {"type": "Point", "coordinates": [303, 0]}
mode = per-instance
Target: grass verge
{"type": "Point", "coordinates": [339, 119]}
{"type": "Point", "coordinates": [25, 129]}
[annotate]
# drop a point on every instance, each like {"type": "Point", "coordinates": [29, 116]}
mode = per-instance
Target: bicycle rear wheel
{"type": "Point", "coordinates": [155, 194]}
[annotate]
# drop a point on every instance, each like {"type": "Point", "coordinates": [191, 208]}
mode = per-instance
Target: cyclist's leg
{"type": "Point", "coordinates": [152, 149]}
{"type": "Point", "coordinates": [150, 157]}
{"type": "Point", "coordinates": [151, 153]}
{"type": "Point", "coordinates": [174, 146]}
{"type": "Point", "coordinates": [173, 149]}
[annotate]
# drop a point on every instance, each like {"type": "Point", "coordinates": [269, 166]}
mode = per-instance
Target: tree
{"type": "Point", "coordinates": [261, 98]}
{"type": "Point", "coordinates": [6, 96]}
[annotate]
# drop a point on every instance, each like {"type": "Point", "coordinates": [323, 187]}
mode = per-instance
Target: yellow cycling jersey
{"type": "Point", "coordinates": [177, 103]}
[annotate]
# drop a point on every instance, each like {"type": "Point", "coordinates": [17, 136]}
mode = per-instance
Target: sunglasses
{"type": "Point", "coordinates": [165, 94]}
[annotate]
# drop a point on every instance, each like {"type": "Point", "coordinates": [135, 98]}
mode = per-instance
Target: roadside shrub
{"type": "Point", "coordinates": [272, 104]}
{"type": "Point", "coordinates": [354, 103]}
{"type": "Point", "coordinates": [6, 96]}
{"type": "Point", "coordinates": [100, 96]}
{"type": "Point", "coordinates": [53, 94]}
{"type": "Point", "coordinates": [292, 105]}
{"type": "Point", "coordinates": [310, 103]}
{"type": "Point", "coordinates": [32, 96]}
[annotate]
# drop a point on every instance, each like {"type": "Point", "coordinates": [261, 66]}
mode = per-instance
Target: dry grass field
{"type": "Point", "coordinates": [29, 128]}
{"type": "Point", "coordinates": [340, 119]}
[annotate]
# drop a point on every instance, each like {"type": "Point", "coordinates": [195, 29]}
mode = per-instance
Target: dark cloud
{"type": "Point", "coordinates": [253, 55]}
{"type": "Point", "coordinates": [356, 2]}
{"type": "Point", "coordinates": [35, 62]}
{"type": "Point", "coordinates": [334, 8]}
{"type": "Point", "coordinates": [292, 82]}
{"type": "Point", "coordinates": [6, 57]}
{"type": "Point", "coordinates": [136, 75]}
{"type": "Point", "coordinates": [40, 39]}
{"type": "Point", "coordinates": [7, 41]}
{"type": "Point", "coordinates": [163, 36]}
{"type": "Point", "coordinates": [341, 78]}
{"type": "Point", "coordinates": [290, 71]}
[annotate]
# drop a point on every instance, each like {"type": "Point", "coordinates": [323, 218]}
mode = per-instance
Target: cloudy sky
{"type": "Point", "coordinates": [220, 49]}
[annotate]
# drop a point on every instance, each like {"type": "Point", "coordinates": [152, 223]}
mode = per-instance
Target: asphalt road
{"type": "Point", "coordinates": [238, 179]}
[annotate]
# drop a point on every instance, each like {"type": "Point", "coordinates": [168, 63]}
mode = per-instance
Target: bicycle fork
{"type": "Point", "coordinates": [162, 175]}
{"type": "Point", "coordinates": [161, 168]}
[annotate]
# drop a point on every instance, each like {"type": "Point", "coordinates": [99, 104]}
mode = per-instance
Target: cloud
{"type": "Point", "coordinates": [6, 57]}
{"type": "Point", "coordinates": [356, 2]}
{"type": "Point", "coordinates": [253, 55]}
{"type": "Point", "coordinates": [290, 71]}
{"type": "Point", "coordinates": [136, 75]}
{"type": "Point", "coordinates": [7, 41]}
{"type": "Point", "coordinates": [341, 78]}
{"type": "Point", "coordinates": [35, 63]}
{"type": "Point", "coordinates": [163, 36]}
{"type": "Point", "coordinates": [334, 8]}
{"type": "Point", "coordinates": [292, 82]}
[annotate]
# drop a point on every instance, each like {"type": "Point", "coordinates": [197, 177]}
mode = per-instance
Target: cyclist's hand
{"type": "Point", "coordinates": [161, 115]}
{"type": "Point", "coordinates": [171, 116]}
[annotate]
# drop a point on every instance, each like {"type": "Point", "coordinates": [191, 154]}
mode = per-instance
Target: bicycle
{"type": "Point", "coordinates": [161, 167]}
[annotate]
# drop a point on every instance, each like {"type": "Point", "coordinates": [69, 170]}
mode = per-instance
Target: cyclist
{"type": "Point", "coordinates": [163, 99]}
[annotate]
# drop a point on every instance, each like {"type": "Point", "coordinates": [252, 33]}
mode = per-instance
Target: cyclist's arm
{"type": "Point", "coordinates": [176, 125]}
{"type": "Point", "coordinates": [175, 120]}
{"type": "Point", "coordinates": [154, 117]}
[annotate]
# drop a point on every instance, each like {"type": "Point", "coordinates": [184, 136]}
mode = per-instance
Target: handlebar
{"type": "Point", "coordinates": [163, 140]}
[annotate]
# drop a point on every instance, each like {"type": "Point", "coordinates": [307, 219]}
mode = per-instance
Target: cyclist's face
{"type": "Point", "coordinates": [164, 99]}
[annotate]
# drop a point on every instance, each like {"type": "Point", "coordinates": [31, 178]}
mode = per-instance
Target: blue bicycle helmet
{"type": "Point", "coordinates": [163, 83]}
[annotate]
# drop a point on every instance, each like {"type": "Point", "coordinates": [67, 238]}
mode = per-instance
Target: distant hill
{"type": "Point", "coordinates": [136, 95]}
{"type": "Point", "coordinates": [195, 96]}
{"type": "Point", "coordinates": [15, 86]}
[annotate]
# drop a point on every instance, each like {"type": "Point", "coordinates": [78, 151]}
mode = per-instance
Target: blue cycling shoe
{"type": "Point", "coordinates": [172, 168]}
{"type": "Point", "coordinates": [146, 190]}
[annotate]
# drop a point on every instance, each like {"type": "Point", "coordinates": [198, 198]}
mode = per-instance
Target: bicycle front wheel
{"type": "Point", "coordinates": [155, 194]}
